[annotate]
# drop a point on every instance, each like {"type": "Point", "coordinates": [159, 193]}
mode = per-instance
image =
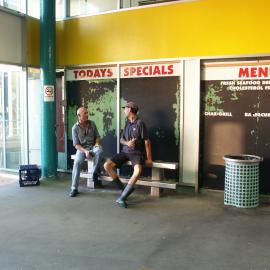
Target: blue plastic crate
{"type": "Point", "coordinates": [29, 175]}
{"type": "Point", "coordinates": [29, 166]}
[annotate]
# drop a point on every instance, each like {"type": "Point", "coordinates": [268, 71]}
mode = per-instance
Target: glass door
{"type": "Point", "coordinates": [1, 122]}
{"type": "Point", "coordinates": [12, 119]}
{"type": "Point", "coordinates": [11, 133]}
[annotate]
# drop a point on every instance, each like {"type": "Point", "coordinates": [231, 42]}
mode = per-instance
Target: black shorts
{"type": "Point", "coordinates": [122, 158]}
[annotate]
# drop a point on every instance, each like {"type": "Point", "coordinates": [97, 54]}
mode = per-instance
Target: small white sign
{"type": "Point", "coordinates": [48, 93]}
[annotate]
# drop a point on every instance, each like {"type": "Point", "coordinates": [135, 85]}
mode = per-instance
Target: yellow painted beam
{"type": "Point", "coordinates": [188, 29]}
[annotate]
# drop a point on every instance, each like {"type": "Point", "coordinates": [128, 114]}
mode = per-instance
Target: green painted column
{"type": "Point", "coordinates": [48, 110]}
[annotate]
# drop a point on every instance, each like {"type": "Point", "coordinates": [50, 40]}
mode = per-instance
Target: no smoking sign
{"type": "Point", "coordinates": [48, 93]}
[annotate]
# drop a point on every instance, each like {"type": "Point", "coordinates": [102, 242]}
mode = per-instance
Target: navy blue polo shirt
{"type": "Point", "coordinates": [137, 130]}
{"type": "Point", "coordinates": [86, 137]}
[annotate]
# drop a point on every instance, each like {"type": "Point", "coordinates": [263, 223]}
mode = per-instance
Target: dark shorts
{"type": "Point", "coordinates": [122, 158]}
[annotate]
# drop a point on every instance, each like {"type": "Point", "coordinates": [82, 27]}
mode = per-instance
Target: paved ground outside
{"type": "Point", "coordinates": [43, 228]}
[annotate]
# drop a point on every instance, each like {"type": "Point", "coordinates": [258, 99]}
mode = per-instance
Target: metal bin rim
{"type": "Point", "coordinates": [243, 158]}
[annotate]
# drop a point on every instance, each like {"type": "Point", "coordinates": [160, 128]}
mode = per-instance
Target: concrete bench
{"type": "Point", "coordinates": [155, 182]}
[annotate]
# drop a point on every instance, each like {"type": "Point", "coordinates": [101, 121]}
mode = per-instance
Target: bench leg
{"type": "Point", "coordinates": [90, 183]}
{"type": "Point", "coordinates": [155, 192]}
{"type": "Point", "coordinates": [157, 174]}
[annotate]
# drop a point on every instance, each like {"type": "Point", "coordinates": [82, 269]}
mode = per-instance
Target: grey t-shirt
{"type": "Point", "coordinates": [86, 137]}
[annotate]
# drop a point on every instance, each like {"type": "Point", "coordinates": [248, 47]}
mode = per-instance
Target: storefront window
{"type": "Point", "coordinates": [12, 138]}
{"type": "Point", "coordinates": [33, 8]}
{"type": "Point", "coordinates": [129, 3]}
{"type": "Point", "coordinates": [65, 8]}
{"type": "Point", "coordinates": [60, 11]}
{"type": "Point", "coordinates": [18, 5]}
{"type": "Point", "coordinates": [13, 120]}
{"type": "Point", "coordinates": [83, 7]}
{"type": "Point", "coordinates": [10, 117]}
{"type": "Point", "coordinates": [1, 122]}
{"type": "Point", "coordinates": [136, 3]}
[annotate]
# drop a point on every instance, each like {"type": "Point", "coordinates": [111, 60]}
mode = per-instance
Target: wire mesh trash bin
{"type": "Point", "coordinates": [242, 180]}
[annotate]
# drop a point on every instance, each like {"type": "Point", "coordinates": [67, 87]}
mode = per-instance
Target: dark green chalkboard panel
{"type": "Point", "coordinates": [158, 101]}
{"type": "Point", "coordinates": [99, 96]}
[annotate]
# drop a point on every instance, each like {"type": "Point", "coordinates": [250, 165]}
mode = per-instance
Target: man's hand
{"type": "Point", "coordinates": [148, 162]}
{"type": "Point", "coordinates": [88, 153]}
{"type": "Point", "coordinates": [131, 143]}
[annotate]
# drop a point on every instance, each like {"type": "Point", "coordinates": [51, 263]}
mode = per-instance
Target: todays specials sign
{"type": "Point", "coordinates": [126, 71]}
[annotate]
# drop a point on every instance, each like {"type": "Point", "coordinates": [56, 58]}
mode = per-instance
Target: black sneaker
{"type": "Point", "coordinates": [121, 203]}
{"type": "Point", "coordinates": [73, 193]}
{"type": "Point", "coordinates": [118, 184]}
{"type": "Point", "coordinates": [98, 184]}
{"type": "Point", "coordinates": [95, 177]}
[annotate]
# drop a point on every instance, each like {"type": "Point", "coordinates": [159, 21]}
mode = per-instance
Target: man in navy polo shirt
{"type": "Point", "coordinates": [86, 140]}
{"type": "Point", "coordinates": [136, 148]}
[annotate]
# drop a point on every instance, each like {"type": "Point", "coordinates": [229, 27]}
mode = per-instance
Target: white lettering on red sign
{"type": "Point", "coordinates": [235, 72]}
{"type": "Point", "coordinates": [91, 73]}
{"type": "Point", "coordinates": [152, 70]}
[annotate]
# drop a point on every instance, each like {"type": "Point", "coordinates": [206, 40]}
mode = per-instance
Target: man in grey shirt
{"type": "Point", "coordinates": [86, 140]}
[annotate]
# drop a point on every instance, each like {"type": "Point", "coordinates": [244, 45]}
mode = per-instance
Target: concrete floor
{"type": "Point", "coordinates": [42, 228]}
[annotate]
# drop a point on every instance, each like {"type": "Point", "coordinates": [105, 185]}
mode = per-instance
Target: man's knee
{"type": "Point", "coordinates": [137, 170]}
{"type": "Point", "coordinates": [78, 162]}
{"type": "Point", "coordinates": [108, 165]}
{"type": "Point", "coordinates": [98, 151]}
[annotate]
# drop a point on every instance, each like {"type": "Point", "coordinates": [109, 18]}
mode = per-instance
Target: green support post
{"type": "Point", "coordinates": [48, 110]}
